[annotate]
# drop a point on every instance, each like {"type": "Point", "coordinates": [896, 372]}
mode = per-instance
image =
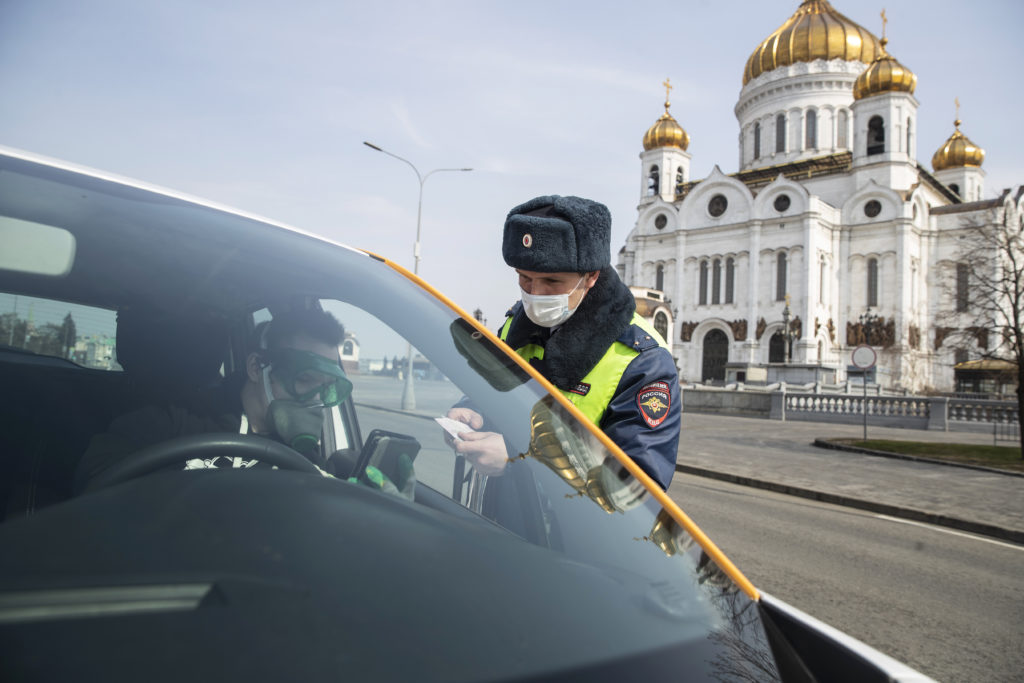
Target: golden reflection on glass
{"type": "Point", "coordinates": [579, 459]}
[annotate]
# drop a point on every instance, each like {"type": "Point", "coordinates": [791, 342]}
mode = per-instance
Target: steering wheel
{"type": "Point", "coordinates": [180, 449]}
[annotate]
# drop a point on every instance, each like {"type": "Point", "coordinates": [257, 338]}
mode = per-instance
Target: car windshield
{"type": "Point", "coordinates": [564, 541]}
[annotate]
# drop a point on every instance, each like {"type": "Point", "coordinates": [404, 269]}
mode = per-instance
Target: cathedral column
{"type": "Point", "coordinates": [843, 311]}
{"type": "Point", "coordinates": [754, 275]}
{"type": "Point", "coordinates": [811, 272]}
{"type": "Point", "coordinates": [680, 297]}
{"type": "Point", "coordinates": [903, 313]}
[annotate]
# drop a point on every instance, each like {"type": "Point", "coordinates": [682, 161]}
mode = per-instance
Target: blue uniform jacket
{"type": "Point", "coordinates": [652, 448]}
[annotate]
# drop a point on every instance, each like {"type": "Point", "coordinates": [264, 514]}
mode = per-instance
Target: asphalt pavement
{"type": "Point", "coordinates": [781, 456]}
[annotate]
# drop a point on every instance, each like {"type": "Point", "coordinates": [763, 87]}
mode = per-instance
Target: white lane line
{"type": "Point", "coordinates": [950, 531]}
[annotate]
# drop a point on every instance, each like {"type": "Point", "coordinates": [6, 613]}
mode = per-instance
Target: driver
{"type": "Point", "coordinates": [291, 374]}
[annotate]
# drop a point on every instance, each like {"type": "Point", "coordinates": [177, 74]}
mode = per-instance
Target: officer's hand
{"type": "Point", "coordinates": [485, 451]}
{"type": "Point", "coordinates": [466, 416]}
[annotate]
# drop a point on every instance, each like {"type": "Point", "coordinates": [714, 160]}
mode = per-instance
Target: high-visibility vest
{"type": "Point", "coordinates": [594, 392]}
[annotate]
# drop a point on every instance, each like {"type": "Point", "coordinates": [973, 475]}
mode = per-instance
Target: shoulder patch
{"type": "Point", "coordinates": [654, 399]}
{"type": "Point", "coordinates": [581, 388]}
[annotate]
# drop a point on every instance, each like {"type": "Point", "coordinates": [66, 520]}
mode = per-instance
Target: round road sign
{"type": "Point", "coordinates": [864, 357]}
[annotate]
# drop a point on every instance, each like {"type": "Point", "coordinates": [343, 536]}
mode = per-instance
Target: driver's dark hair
{"type": "Point", "coordinates": [315, 324]}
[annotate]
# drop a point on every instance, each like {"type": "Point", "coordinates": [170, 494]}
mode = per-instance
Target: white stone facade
{"type": "Point", "coordinates": [843, 220]}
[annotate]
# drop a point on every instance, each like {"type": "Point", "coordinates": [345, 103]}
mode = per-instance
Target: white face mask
{"type": "Point", "coordinates": [548, 310]}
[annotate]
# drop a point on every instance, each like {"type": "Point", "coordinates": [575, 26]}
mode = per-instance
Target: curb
{"type": "Point", "coordinates": [832, 445]}
{"type": "Point", "coordinates": [1013, 535]}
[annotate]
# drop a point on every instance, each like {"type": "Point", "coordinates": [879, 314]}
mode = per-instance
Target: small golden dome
{"type": "Point", "coordinates": [666, 132]}
{"type": "Point", "coordinates": [957, 151]}
{"type": "Point", "coordinates": [884, 74]}
{"type": "Point", "coordinates": [815, 31]}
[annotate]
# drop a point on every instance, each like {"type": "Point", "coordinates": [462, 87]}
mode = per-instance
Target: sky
{"type": "Point", "coordinates": [264, 106]}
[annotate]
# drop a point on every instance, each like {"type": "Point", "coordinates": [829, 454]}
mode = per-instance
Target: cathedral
{"type": "Point", "coordinates": [830, 236]}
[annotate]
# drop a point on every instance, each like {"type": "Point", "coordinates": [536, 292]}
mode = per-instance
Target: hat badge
{"type": "Point", "coordinates": [527, 240]}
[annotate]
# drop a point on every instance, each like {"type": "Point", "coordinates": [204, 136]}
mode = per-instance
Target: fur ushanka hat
{"type": "Point", "coordinates": [556, 234]}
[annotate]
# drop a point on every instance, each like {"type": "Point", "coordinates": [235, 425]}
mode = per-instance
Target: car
{"type": "Point", "coordinates": [572, 564]}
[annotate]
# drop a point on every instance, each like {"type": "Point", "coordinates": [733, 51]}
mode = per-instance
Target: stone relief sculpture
{"type": "Point", "coordinates": [686, 331]}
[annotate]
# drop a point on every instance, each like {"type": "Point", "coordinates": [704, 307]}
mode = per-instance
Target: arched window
{"type": "Point", "coordinates": [659, 278]}
{"type": "Point", "coordinates": [653, 181]}
{"type": "Point", "coordinates": [347, 348]}
{"type": "Point", "coordinates": [842, 130]}
{"type": "Point", "coordinates": [811, 141]}
{"type": "Point", "coordinates": [757, 140]}
{"type": "Point", "coordinates": [716, 281]}
{"type": "Point", "coordinates": [909, 137]}
{"type": "Point", "coordinates": [876, 135]}
{"type": "Point", "coordinates": [780, 277]}
{"type": "Point", "coordinates": [872, 282]}
{"type": "Point", "coordinates": [962, 283]}
{"type": "Point", "coordinates": [954, 187]}
{"type": "Point", "coordinates": [730, 276]}
{"type": "Point", "coordinates": [680, 180]}
{"type": "Point", "coordinates": [703, 283]}
{"type": "Point", "coordinates": [661, 324]}
{"type": "Point", "coordinates": [780, 133]}
{"type": "Point", "coordinates": [777, 348]}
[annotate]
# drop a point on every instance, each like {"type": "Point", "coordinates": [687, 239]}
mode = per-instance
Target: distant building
{"type": "Point", "coordinates": [349, 352]}
{"type": "Point", "coordinates": [830, 216]}
{"type": "Point", "coordinates": [96, 351]}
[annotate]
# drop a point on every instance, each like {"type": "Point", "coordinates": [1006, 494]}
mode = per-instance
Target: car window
{"type": "Point", "coordinates": [84, 335]}
{"type": "Point", "coordinates": [376, 359]}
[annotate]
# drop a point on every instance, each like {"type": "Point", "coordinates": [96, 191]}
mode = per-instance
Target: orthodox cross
{"type": "Point", "coordinates": [668, 87]}
{"type": "Point", "coordinates": [884, 22]}
{"type": "Point", "coordinates": [956, 101]}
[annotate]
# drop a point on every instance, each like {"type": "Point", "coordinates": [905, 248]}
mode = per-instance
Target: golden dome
{"type": "Point", "coordinates": [666, 132]}
{"type": "Point", "coordinates": [957, 151]}
{"type": "Point", "coordinates": [815, 31]}
{"type": "Point", "coordinates": [884, 74]}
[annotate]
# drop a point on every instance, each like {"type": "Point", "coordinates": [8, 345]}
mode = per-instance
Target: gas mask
{"type": "Point", "coordinates": [312, 383]}
{"type": "Point", "coordinates": [548, 310]}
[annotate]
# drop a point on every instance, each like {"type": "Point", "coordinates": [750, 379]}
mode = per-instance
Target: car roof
{"type": "Point", "coordinates": [136, 243]}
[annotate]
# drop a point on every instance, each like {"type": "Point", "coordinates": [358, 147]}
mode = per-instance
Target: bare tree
{"type": "Point", "coordinates": [987, 292]}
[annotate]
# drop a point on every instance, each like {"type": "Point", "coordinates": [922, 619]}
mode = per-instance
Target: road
{"type": "Point", "coordinates": [947, 603]}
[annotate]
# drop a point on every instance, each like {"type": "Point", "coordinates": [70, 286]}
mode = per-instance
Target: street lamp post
{"type": "Point", "coordinates": [408, 395]}
{"type": "Point", "coordinates": [786, 332]}
{"type": "Point", "coordinates": [868, 322]}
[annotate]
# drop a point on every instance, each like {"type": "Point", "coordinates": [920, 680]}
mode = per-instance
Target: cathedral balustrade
{"type": "Point", "coordinates": [898, 407]}
{"type": "Point", "coordinates": [984, 412]}
{"type": "Point", "coordinates": [780, 402]}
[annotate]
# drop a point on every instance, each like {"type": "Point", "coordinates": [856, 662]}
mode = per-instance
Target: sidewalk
{"type": "Point", "coordinates": [780, 456]}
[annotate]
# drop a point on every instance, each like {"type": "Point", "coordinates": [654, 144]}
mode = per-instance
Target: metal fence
{"type": "Point", "coordinates": [1005, 431]}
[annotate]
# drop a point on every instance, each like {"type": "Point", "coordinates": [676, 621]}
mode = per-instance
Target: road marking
{"type": "Point", "coordinates": [950, 531]}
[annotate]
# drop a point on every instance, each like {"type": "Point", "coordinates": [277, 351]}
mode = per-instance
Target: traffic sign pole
{"type": "Point", "coordinates": [864, 357]}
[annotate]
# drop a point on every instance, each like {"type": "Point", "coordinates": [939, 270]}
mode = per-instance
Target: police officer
{"type": "Point", "coordinates": [577, 325]}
